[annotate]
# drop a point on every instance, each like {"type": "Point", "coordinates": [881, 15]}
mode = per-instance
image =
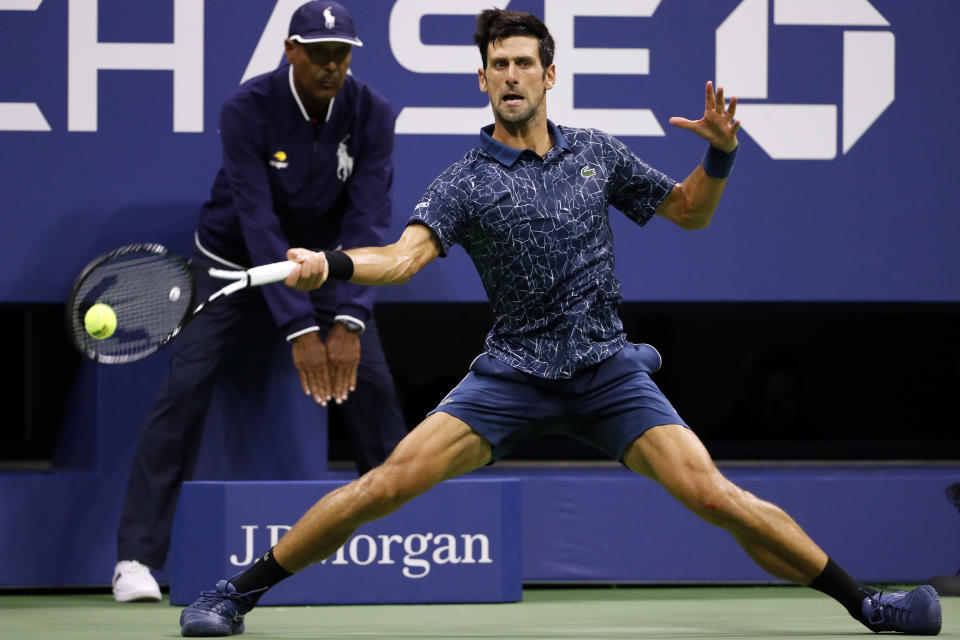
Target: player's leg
{"type": "Point", "coordinates": [630, 418]}
{"type": "Point", "coordinates": [490, 411]}
{"type": "Point", "coordinates": [371, 415]}
{"type": "Point", "coordinates": [441, 447]}
{"type": "Point", "coordinates": [674, 456]}
{"type": "Point", "coordinates": [168, 445]}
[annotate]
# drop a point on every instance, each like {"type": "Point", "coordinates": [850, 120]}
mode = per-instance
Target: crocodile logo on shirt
{"type": "Point", "coordinates": [587, 172]}
{"type": "Point", "coordinates": [279, 160]}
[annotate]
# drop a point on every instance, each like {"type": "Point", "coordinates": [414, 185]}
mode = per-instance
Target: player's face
{"type": "Point", "coordinates": [516, 80]}
{"type": "Point", "coordinates": [319, 68]}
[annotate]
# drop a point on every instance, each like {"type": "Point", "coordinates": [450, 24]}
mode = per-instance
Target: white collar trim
{"type": "Point", "coordinates": [296, 96]}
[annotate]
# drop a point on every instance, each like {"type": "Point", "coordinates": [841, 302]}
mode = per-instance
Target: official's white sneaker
{"type": "Point", "coordinates": [132, 582]}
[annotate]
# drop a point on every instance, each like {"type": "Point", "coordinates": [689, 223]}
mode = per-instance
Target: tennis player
{"type": "Point", "coordinates": [529, 204]}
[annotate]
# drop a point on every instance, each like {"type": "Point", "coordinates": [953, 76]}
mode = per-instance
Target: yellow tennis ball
{"type": "Point", "coordinates": [100, 321]}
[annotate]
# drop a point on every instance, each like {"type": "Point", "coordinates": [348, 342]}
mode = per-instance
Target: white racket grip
{"type": "Point", "coordinates": [265, 274]}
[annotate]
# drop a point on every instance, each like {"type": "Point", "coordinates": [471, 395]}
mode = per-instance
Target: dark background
{"type": "Point", "coordinates": [756, 381]}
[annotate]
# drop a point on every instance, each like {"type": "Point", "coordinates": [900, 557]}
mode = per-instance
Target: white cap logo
{"type": "Point", "coordinates": [329, 20]}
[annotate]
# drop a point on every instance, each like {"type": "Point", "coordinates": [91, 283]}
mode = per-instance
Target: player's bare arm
{"type": "Point", "coordinates": [692, 202]}
{"type": "Point", "coordinates": [393, 264]}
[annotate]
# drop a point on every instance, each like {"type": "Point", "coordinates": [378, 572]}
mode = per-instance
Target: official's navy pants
{"type": "Point", "coordinates": [170, 437]}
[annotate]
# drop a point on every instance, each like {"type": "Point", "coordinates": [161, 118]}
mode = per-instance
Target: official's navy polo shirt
{"type": "Point", "coordinates": [288, 181]}
{"type": "Point", "coordinates": [537, 230]}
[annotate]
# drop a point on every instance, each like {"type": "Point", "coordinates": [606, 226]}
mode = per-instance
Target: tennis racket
{"type": "Point", "coordinates": [151, 291]}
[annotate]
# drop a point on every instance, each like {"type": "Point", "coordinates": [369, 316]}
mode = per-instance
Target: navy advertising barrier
{"type": "Point", "coordinates": [842, 190]}
{"type": "Point", "coordinates": [459, 542]}
{"type": "Point", "coordinates": [588, 524]}
{"type": "Point", "coordinates": [883, 523]}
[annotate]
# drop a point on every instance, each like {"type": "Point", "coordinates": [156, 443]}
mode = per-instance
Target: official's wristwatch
{"type": "Point", "coordinates": [352, 325]}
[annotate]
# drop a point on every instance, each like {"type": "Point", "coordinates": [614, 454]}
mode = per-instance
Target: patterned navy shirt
{"type": "Point", "coordinates": [538, 232]}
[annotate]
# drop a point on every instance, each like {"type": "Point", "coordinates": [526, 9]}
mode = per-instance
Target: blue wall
{"type": "Point", "coordinates": [846, 197]}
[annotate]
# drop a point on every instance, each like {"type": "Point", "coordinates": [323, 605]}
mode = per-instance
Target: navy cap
{"type": "Point", "coordinates": [323, 21]}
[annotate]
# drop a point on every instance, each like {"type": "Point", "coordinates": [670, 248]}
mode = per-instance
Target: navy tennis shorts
{"type": "Point", "coordinates": [607, 405]}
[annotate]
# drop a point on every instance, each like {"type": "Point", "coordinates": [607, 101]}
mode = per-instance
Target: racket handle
{"type": "Point", "coordinates": [265, 274]}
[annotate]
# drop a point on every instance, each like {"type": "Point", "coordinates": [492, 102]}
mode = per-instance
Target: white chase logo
{"type": "Point", "coordinates": [417, 552]}
{"type": "Point", "coordinates": [742, 67]}
{"type": "Point", "coordinates": [869, 61]}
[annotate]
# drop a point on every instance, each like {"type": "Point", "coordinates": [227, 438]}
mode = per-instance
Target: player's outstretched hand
{"type": "Point", "coordinates": [310, 271]}
{"type": "Point", "coordinates": [717, 125]}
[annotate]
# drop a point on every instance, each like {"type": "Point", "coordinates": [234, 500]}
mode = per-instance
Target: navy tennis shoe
{"type": "Point", "coordinates": [914, 612]}
{"type": "Point", "coordinates": [219, 612]}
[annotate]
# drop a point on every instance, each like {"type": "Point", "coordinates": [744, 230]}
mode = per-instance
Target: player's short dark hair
{"type": "Point", "coordinates": [494, 25]}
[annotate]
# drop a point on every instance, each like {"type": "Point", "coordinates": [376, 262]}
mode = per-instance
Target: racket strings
{"type": "Point", "coordinates": [149, 292]}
